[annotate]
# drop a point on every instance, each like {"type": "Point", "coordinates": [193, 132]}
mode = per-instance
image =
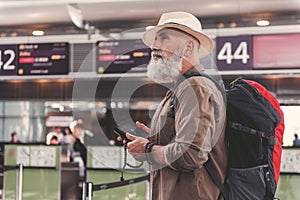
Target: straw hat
{"type": "Point", "coordinates": [185, 22]}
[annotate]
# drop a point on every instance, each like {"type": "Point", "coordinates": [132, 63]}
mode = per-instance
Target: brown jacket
{"type": "Point", "coordinates": [196, 133]}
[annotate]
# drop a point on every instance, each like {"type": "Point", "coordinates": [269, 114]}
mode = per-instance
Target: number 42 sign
{"type": "Point", "coordinates": [234, 53]}
{"type": "Point", "coordinates": [8, 59]}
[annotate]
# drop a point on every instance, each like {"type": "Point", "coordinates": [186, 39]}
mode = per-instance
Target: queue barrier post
{"type": "Point", "coordinates": [84, 190]}
{"type": "Point", "coordinates": [87, 191]}
{"type": "Point", "coordinates": [20, 182]}
{"type": "Point", "coordinates": [90, 191]}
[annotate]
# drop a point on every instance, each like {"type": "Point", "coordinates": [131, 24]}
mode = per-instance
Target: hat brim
{"type": "Point", "coordinates": [205, 41]}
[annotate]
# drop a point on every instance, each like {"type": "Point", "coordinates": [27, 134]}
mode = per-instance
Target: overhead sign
{"type": "Point", "coordinates": [276, 51]}
{"type": "Point", "coordinates": [60, 121]}
{"type": "Point", "coordinates": [8, 59]}
{"type": "Point", "coordinates": [43, 58]}
{"type": "Point", "coordinates": [121, 56]}
{"type": "Point", "coordinates": [234, 52]}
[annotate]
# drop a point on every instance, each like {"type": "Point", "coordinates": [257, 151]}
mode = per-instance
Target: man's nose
{"type": "Point", "coordinates": [155, 45]}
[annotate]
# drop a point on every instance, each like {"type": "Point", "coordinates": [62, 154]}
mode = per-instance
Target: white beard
{"type": "Point", "coordinates": [167, 69]}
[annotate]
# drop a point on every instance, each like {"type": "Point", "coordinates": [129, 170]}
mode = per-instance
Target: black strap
{"type": "Point", "coordinates": [106, 186]}
{"type": "Point", "coordinates": [237, 126]}
{"type": "Point", "coordinates": [220, 86]}
{"type": "Point", "coordinates": [211, 171]}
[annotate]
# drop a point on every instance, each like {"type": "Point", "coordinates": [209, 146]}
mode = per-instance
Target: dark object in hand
{"type": "Point", "coordinates": [129, 127]}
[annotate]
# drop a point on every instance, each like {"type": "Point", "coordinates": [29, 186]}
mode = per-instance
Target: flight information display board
{"type": "Point", "coordinates": [258, 52]}
{"type": "Point", "coordinates": [43, 58]}
{"type": "Point", "coordinates": [121, 56]}
{"type": "Point", "coordinates": [276, 51]}
{"type": "Point", "coordinates": [8, 60]}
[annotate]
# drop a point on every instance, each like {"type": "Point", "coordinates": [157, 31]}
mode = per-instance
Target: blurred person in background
{"type": "Point", "coordinates": [68, 136]}
{"type": "Point", "coordinates": [54, 140]}
{"type": "Point", "coordinates": [14, 138]}
{"type": "Point", "coordinates": [79, 130]}
{"type": "Point", "coordinates": [79, 151]}
{"type": "Point", "coordinates": [55, 132]}
{"type": "Point", "coordinates": [296, 142]}
{"type": "Point", "coordinates": [59, 134]}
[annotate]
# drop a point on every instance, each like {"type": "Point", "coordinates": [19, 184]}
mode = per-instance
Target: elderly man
{"type": "Point", "coordinates": [181, 142]}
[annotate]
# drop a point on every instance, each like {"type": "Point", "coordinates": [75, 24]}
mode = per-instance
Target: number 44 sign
{"type": "Point", "coordinates": [234, 53]}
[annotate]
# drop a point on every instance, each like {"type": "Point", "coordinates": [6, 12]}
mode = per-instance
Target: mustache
{"type": "Point", "coordinates": [160, 53]}
{"type": "Point", "coordinates": [156, 53]}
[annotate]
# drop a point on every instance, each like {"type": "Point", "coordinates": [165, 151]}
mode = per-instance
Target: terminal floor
{"type": "Point", "coordinates": [44, 184]}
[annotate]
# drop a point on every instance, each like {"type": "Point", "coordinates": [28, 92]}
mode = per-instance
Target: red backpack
{"type": "Point", "coordinates": [255, 126]}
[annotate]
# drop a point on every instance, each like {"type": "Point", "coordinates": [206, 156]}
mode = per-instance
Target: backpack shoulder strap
{"type": "Point", "coordinates": [211, 171]}
{"type": "Point", "coordinates": [219, 85]}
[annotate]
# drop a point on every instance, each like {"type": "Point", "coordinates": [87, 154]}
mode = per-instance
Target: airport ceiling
{"type": "Point", "coordinates": [65, 17]}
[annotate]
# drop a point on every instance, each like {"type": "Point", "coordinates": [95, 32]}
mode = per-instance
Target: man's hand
{"type": "Point", "coordinates": [140, 125]}
{"type": "Point", "coordinates": [137, 147]}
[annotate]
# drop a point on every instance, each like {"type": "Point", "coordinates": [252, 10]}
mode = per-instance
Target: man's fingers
{"type": "Point", "coordinates": [142, 126]}
{"type": "Point", "coordinates": [130, 136]}
{"type": "Point", "coordinates": [119, 138]}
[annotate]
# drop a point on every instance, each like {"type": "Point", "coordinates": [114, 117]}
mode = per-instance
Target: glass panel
{"type": "Point", "coordinates": [1, 129]}
{"type": "Point", "coordinates": [25, 118]}
{"type": "Point", "coordinates": [16, 108]}
{"type": "Point", "coordinates": [291, 120]}
{"type": "Point", "coordinates": [1, 108]}
{"type": "Point", "coordinates": [37, 109]}
{"type": "Point", "coordinates": [15, 125]}
{"type": "Point", "coordinates": [38, 130]}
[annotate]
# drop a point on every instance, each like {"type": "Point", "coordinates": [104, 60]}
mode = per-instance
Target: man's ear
{"type": "Point", "coordinates": [189, 48]}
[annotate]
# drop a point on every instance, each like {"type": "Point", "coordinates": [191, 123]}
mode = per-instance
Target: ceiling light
{"type": "Point", "coordinates": [61, 108]}
{"type": "Point", "coordinates": [149, 27]}
{"type": "Point", "coordinates": [220, 25]}
{"type": "Point", "coordinates": [55, 105]}
{"type": "Point", "coordinates": [263, 23]}
{"type": "Point", "coordinates": [38, 33]}
{"type": "Point", "coordinates": [232, 24]}
{"type": "Point", "coordinates": [13, 34]}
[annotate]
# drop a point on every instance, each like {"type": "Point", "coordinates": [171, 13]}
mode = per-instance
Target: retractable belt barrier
{"type": "Point", "coordinates": [120, 183]}
{"type": "Point", "coordinates": [88, 188]}
{"type": "Point", "coordinates": [8, 168]}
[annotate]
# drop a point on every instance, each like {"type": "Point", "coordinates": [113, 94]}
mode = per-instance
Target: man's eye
{"type": "Point", "coordinates": [164, 37]}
